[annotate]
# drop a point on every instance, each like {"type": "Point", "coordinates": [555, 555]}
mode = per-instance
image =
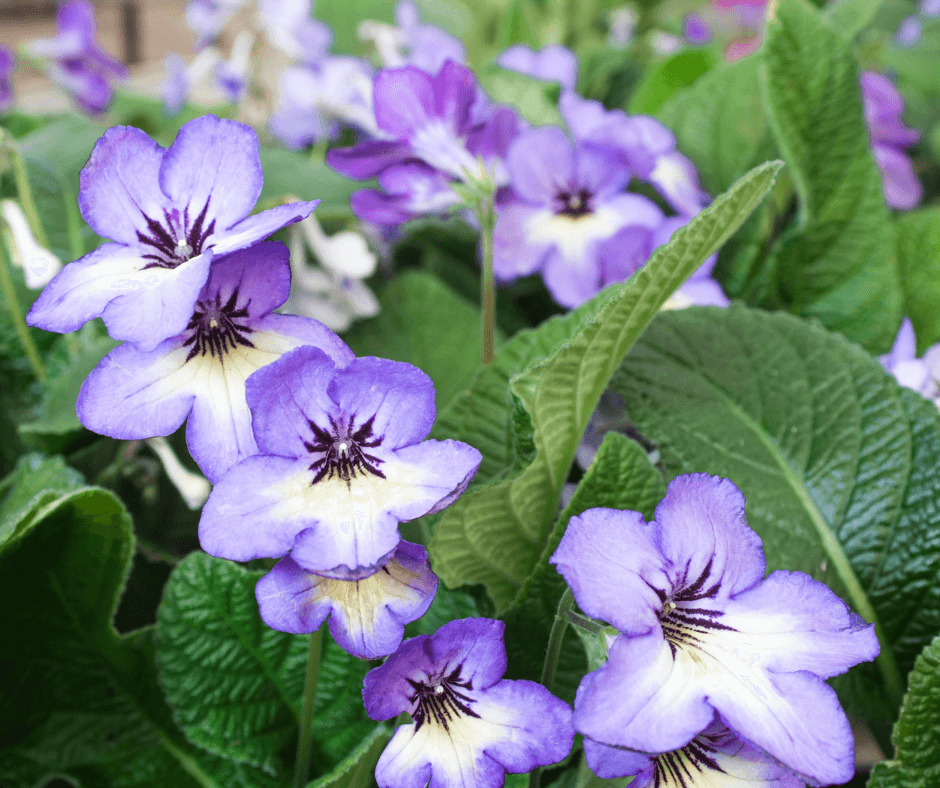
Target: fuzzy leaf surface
{"type": "Point", "coordinates": [919, 256]}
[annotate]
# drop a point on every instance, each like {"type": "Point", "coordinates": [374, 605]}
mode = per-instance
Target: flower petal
{"type": "Point", "coordinates": [404, 100]}
{"type": "Point", "coordinates": [515, 252]}
{"type": "Point", "coordinates": [367, 616]}
{"type": "Point", "coordinates": [613, 566]}
{"type": "Point", "coordinates": [120, 184]}
{"type": "Point", "coordinates": [369, 158]}
{"type": "Point", "coordinates": [260, 274]}
{"type": "Point", "coordinates": [213, 161]}
{"type": "Point", "coordinates": [261, 225]}
{"type": "Point", "coordinates": [541, 163]}
{"type": "Point", "coordinates": [700, 528]}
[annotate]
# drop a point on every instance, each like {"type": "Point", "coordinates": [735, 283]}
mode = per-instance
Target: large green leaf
{"type": "Point", "coordinates": [919, 255]}
{"type": "Point", "coordinates": [426, 324]}
{"type": "Point", "coordinates": [235, 684]}
{"type": "Point", "coordinates": [358, 768]}
{"type": "Point", "coordinates": [662, 81]}
{"type": "Point", "coordinates": [620, 477]}
{"type": "Point", "coordinates": [495, 534]}
{"type": "Point", "coordinates": [916, 762]}
{"type": "Point", "coordinates": [838, 263]}
{"type": "Point", "coordinates": [76, 697]}
{"type": "Point", "coordinates": [719, 123]}
{"type": "Point", "coordinates": [839, 465]}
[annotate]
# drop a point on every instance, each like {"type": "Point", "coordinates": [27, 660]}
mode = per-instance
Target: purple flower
{"type": "Point", "coordinates": [909, 32]}
{"type": "Point", "coordinates": [642, 144]}
{"type": "Point", "coordinates": [433, 137]}
{"type": "Point", "coordinates": [716, 756]}
{"type": "Point", "coordinates": [889, 136]}
{"type": "Point", "coordinates": [920, 374]}
{"type": "Point", "coordinates": [553, 63]}
{"type": "Point", "coordinates": [695, 29]}
{"type": "Point", "coordinates": [343, 461]}
{"type": "Point", "coordinates": [7, 62]}
{"type": "Point", "coordinates": [181, 79]}
{"type": "Point", "coordinates": [367, 616]}
{"type": "Point", "coordinates": [566, 201]}
{"type": "Point", "coordinates": [76, 61]}
{"type": "Point", "coordinates": [290, 26]}
{"type": "Point", "coordinates": [200, 373]}
{"type": "Point", "coordinates": [314, 100]}
{"type": "Point", "coordinates": [169, 211]}
{"type": "Point", "coordinates": [470, 725]}
{"type": "Point", "coordinates": [411, 43]}
{"type": "Point", "coordinates": [628, 250]}
{"type": "Point", "coordinates": [930, 8]}
{"type": "Point", "coordinates": [233, 76]}
{"type": "Point", "coordinates": [702, 631]}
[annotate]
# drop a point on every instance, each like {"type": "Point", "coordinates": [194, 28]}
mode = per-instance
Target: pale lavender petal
{"type": "Point", "coordinates": [610, 561]}
{"type": "Point", "coordinates": [624, 253]}
{"type": "Point", "coordinates": [404, 100]}
{"type": "Point", "coordinates": [261, 225]}
{"type": "Point", "coordinates": [700, 527]}
{"type": "Point", "coordinates": [175, 87]}
{"type": "Point", "coordinates": [454, 92]}
{"type": "Point", "coordinates": [553, 63]}
{"type": "Point", "coordinates": [909, 31]}
{"type": "Point", "coordinates": [676, 179]}
{"type": "Point", "coordinates": [213, 162]}
{"type": "Point", "coordinates": [904, 347]}
{"type": "Point", "coordinates": [432, 48]}
{"type": "Point", "coordinates": [572, 280]}
{"type": "Point", "coordinates": [902, 189]}
{"type": "Point", "coordinates": [600, 173]}
{"type": "Point", "coordinates": [492, 138]}
{"type": "Point", "coordinates": [609, 762]}
{"type": "Point", "coordinates": [410, 190]}
{"type": "Point", "coordinates": [120, 184]}
{"type": "Point", "coordinates": [368, 159]}
{"type": "Point", "coordinates": [541, 163]}
{"type": "Point", "coordinates": [884, 105]}
{"type": "Point", "coordinates": [515, 252]}
{"type": "Point", "coordinates": [704, 292]}
{"type": "Point", "coordinates": [790, 622]}
{"type": "Point", "coordinates": [388, 210]}
{"type": "Point", "coordinates": [367, 616]}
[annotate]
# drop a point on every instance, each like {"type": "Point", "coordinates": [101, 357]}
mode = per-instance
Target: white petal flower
{"type": "Point", "coordinates": [193, 487]}
{"type": "Point", "coordinates": [39, 265]}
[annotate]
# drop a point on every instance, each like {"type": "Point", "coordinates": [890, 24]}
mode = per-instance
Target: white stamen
{"type": "Point", "coordinates": [343, 448]}
{"type": "Point", "coordinates": [183, 249]}
{"type": "Point", "coordinates": [668, 607]}
{"type": "Point", "coordinates": [439, 689]}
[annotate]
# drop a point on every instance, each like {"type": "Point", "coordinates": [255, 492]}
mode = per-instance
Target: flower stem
{"type": "Point", "coordinates": [16, 314]}
{"type": "Point", "coordinates": [487, 219]}
{"type": "Point", "coordinates": [551, 659]}
{"type": "Point", "coordinates": [304, 740]}
{"type": "Point", "coordinates": [23, 190]}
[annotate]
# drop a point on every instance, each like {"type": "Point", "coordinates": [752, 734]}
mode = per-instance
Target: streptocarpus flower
{"type": "Point", "coordinates": [182, 78]}
{"type": "Point", "coordinates": [566, 201]}
{"type": "Point", "coordinates": [702, 631]}
{"type": "Point", "coordinates": [7, 62]}
{"type": "Point", "coordinates": [76, 62]}
{"type": "Point", "coordinates": [433, 136]}
{"type": "Point", "coordinates": [200, 373]}
{"type": "Point", "coordinates": [715, 758]}
{"type": "Point", "coordinates": [168, 211]}
{"type": "Point", "coordinates": [470, 726]}
{"type": "Point", "coordinates": [343, 461]}
{"type": "Point", "coordinates": [553, 63]}
{"type": "Point", "coordinates": [367, 616]}
{"type": "Point", "coordinates": [889, 136]}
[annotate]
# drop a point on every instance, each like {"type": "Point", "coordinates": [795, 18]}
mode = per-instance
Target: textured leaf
{"type": "Point", "coordinates": [35, 482]}
{"type": "Point", "coordinates": [358, 768]}
{"type": "Point", "coordinates": [839, 465]}
{"type": "Point", "coordinates": [75, 695]}
{"type": "Point", "coordinates": [719, 123]}
{"type": "Point", "coordinates": [426, 324]}
{"type": "Point", "coordinates": [447, 606]}
{"type": "Point", "coordinates": [838, 264]}
{"type": "Point", "coordinates": [916, 762]}
{"type": "Point", "coordinates": [533, 99]}
{"type": "Point", "coordinates": [620, 477]}
{"type": "Point", "coordinates": [495, 534]}
{"type": "Point", "coordinates": [235, 684]}
{"type": "Point", "coordinates": [919, 256]}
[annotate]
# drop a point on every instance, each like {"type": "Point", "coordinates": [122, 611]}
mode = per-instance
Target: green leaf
{"type": "Point", "coordinates": [495, 534]}
{"type": "Point", "coordinates": [76, 696]}
{"type": "Point", "coordinates": [663, 80]}
{"type": "Point", "coordinates": [916, 762]}
{"type": "Point", "coordinates": [235, 684]}
{"type": "Point", "coordinates": [533, 99]}
{"type": "Point", "coordinates": [919, 256]}
{"type": "Point", "coordinates": [73, 357]}
{"type": "Point", "coordinates": [620, 477]}
{"type": "Point", "coordinates": [448, 605]}
{"type": "Point", "coordinates": [292, 174]}
{"type": "Point", "coordinates": [358, 768]}
{"type": "Point", "coordinates": [850, 17]}
{"type": "Point", "coordinates": [426, 324]}
{"type": "Point", "coordinates": [838, 264]}
{"type": "Point", "coordinates": [839, 465]}
{"type": "Point", "coordinates": [719, 123]}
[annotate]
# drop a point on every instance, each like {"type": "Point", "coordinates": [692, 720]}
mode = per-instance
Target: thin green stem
{"type": "Point", "coordinates": [552, 653]}
{"type": "Point", "coordinates": [16, 314]}
{"type": "Point", "coordinates": [485, 215]}
{"type": "Point", "coordinates": [25, 193]}
{"type": "Point", "coordinates": [304, 740]}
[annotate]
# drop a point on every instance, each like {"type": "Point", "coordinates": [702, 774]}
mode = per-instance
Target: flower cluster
{"type": "Point", "coordinates": [716, 668]}
{"type": "Point", "coordinates": [920, 373]}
